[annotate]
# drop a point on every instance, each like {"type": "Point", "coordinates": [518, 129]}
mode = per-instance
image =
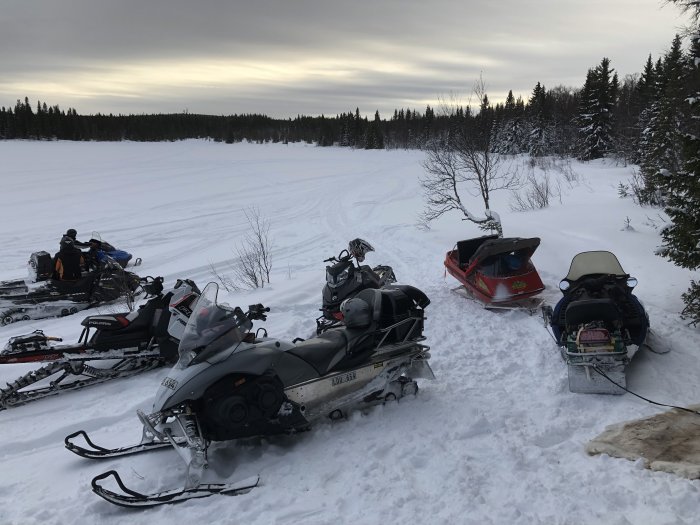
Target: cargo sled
{"type": "Point", "coordinates": [496, 271]}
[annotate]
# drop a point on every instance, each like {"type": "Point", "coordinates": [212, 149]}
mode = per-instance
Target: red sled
{"type": "Point", "coordinates": [496, 271]}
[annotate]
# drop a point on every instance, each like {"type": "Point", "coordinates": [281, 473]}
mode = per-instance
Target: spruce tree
{"type": "Point", "coordinates": [596, 111]}
{"type": "Point", "coordinates": [538, 135]}
{"type": "Point", "coordinates": [681, 238]}
{"type": "Point", "coordinates": [661, 141]}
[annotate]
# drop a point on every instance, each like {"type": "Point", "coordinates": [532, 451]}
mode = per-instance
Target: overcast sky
{"type": "Point", "coordinates": [312, 57]}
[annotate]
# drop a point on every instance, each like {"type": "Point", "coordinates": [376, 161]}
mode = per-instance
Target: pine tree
{"type": "Point", "coordinates": [660, 144]}
{"type": "Point", "coordinates": [681, 238]}
{"type": "Point", "coordinates": [538, 120]}
{"type": "Point", "coordinates": [596, 112]}
{"type": "Point", "coordinates": [374, 138]}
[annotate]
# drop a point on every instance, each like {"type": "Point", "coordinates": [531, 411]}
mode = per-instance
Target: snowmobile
{"type": "Point", "coordinates": [231, 383]}
{"type": "Point", "coordinates": [44, 296]}
{"type": "Point", "coordinates": [498, 272]}
{"type": "Point", "coordinates": [344, 279]}
{"type": "Point", "coordinates": [598, 323]}
{"type": "Point", "coordinates": [40, 267]}
{"type": "Point", "coordinates": [100, 251]}
{"type": "Point", "coordinates": [128, 343]}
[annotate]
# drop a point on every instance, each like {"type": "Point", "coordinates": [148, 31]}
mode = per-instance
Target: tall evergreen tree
{"type": "Point", "coordinates": [596, 113]}
{"type": "Point", "coordinates": [660, 144]}
{"type": "Point", "coordinates": [681, 238]}
{"type": "Point", "coordinates": [538, 120]}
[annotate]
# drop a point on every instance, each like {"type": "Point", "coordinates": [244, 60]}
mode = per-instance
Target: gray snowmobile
{"type": "Point", "coordinates": [231, 383]}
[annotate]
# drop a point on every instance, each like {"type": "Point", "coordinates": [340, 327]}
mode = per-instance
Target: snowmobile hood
{"type": "Point", "coordinates": [183, 384]}
{"type": "Point", "coordinates": [177, 386]}
{"type": "Point", "coordinates": [592, 263]}
{"type": "Point", "coordinates": [493, 247]}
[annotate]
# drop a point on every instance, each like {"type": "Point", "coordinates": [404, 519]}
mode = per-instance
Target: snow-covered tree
{"type": "Point", "coordinates": [661, 137]}
{"type": "Point", "coordinates": [538, 136]}
{"type": "Point", "coordinates": [598, 99]}
{"type": "Point", "coordinates": [681, 238]}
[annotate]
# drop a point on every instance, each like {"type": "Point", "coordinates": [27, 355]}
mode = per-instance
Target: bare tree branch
{"type": "Point", "coordinates": [463, 160]}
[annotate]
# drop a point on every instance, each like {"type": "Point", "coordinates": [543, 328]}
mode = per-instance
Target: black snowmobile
{"type": "Point", "coordinates": [41, 296]}
{"type": "Point", "coordinates": [597, 323]}
{"type": "Point", "coordinates": [344, 279]}
{"type": "Point", "coordinates": [128, 343]}
{"type": "Point", "coordinates": [231, 383]}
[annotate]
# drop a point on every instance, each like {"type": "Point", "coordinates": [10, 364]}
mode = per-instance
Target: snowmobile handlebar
{"type": "Point", "coordinates": [340, 257]}
{"type": "Point", "coordinates": [258, 311]}
{"type": "Point", "coordinates": [152, 285]}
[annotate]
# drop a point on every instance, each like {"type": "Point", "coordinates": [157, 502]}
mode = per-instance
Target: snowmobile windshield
{"type": "Point", "coordinates": [337, 274]}
{"type": "Point", "coordinates": [592, 263]}
{"type": "Point", "coordinates": [211, 328]}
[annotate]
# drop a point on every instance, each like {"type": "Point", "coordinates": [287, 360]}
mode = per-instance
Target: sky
{"type": "Point", "coordinates": [312, 57]}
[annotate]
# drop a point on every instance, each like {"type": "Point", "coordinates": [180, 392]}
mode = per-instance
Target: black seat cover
{"type": "Point", "coordinates": [320, 352]}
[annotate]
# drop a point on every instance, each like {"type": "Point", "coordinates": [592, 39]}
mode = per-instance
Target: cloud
{"type": "Point", "coordinates": [283, 58]}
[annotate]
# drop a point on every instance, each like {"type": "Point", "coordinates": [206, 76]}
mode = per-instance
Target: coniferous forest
{"type": "Point", "coordinates": [650, 119]}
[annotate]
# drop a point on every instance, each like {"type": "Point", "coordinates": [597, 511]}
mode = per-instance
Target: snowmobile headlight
{"type": "Point", "coordinates": [564, 285]}
{"type": "Point", "coordinates": [338, 280]}
{"type": "Point", "coordinates": [631, 282]}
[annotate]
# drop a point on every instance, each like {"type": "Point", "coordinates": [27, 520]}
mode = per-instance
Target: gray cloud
{"type": "Point", "coordinates": [311, 56]}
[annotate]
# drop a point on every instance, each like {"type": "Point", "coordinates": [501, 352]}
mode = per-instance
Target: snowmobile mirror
{"type": "Point", "coordinates": [631, 282]}
{"type": "Point", "coordinates": [564, 285]}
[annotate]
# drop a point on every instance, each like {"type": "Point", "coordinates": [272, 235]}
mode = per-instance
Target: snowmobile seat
{"type": "Point", "coordinates": [140, 319]}
{"type": "Point", "coordinates": [324, 351]}
{"type": "Point", "coordinates": [82, 285]}
{"type": "Point", "coordinates": [587, 310]}
{"type": "Point", "coordinates": [339, 347]}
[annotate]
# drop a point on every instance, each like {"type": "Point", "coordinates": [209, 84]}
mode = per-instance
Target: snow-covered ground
{"type": "Point", "coordinates": [497, 438]}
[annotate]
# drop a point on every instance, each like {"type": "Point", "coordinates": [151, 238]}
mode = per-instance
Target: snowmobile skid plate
{"type": "Point", "coordinates": [132, 499]}
{"type": "Point", "coordinates": [98, 452]}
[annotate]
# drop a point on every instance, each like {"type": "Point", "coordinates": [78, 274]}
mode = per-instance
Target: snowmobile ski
{"type": "Point", "coordinates": [132, 499]}
{"type": "Point", "coordinates": [98, 452]}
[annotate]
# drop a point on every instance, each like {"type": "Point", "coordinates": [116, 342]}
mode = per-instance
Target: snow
{"type": "Point", "coordinates": [497, 438]}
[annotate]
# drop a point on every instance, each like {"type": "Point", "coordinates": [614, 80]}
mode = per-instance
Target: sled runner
{"type": "Point", "coordinates": [497, 272]}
